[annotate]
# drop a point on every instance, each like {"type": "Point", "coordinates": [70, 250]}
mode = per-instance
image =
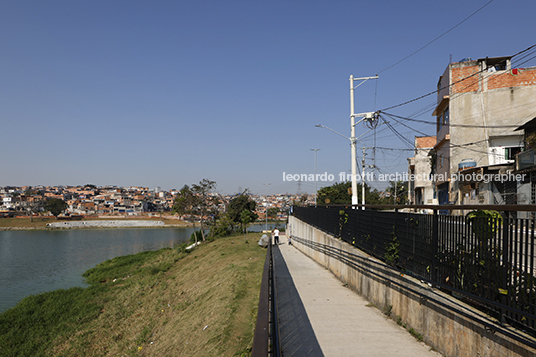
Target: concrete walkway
{"type": "Point", "coordinates": [318, 316]}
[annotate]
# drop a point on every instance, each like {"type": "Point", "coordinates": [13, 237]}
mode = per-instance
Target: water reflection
{"type": "Point", "coordinates": [32, 262]}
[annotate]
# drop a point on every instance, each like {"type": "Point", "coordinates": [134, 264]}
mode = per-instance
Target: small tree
{"type": "Point", "coordinates": [238, 205]}
{"type": "Point", "coordinates": [207, 204]}
{"type": "Point", "coordinates": [197, 201]}
{"type": "Point", "coordinates": [32, 207]}
{"type": "Point", "coordinates": [222, 227]}
{"type": "Point", "coordinates": [398, 191]}
{"type": "Point", "coordinates": [32, 204]}
{"type": "Point", "coordinates": [484, 224]}
{"type": "Point", "coordinates": [482, 259]}
{"type": "Point", "coordinates": [272, 212]}
{"type": "Point", "coordinates": [245, 217]}
{"type": "Point", "coordinates": [30, 192]}
{"type": "Point", "coordinates": [341, 193]}
{"type": "Point", "coordinates": [55, 206]}
{"type": "Point", "coordinates": [186, 203]}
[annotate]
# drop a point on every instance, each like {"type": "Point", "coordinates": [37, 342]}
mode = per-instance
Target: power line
{"type": "Point", "coordinates": [420, 132]}
{"type": "Point", "coordinates": [393, 149]}
{"type": "Point", "coordinates": [525, 50]}
{"type": "Point", "coordinates": [437, 38]}
{"type": "Point", "coordinates": [525, 56]}
{"type": "Point", "coordinates": [461, 80]}
{"type": "Point", "coordinates": [455, 125]}
{"type": "Point", "coordinates": [400, 136]}
{"type": "Point", "coordinates": [517, 60]}
{"type": "Point", "coordinates": [468, 144]}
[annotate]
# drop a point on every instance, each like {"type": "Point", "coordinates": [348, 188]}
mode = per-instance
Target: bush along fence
{"type": "Point", "coordinates": [483, 258]}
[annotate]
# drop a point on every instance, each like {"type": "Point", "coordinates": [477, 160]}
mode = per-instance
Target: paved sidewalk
{"type": "Point", "coordinates": [320, 317]}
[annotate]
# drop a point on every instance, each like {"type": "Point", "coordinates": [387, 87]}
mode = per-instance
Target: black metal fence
{"type": "Point", "coordinates": [488, 262]}
{"type": "Point", "coordinates": [266, 340]}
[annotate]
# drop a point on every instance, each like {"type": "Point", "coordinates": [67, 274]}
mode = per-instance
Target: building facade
{"type": "Point", "coordinates": [421, 190]}
{"type": "Point", "coordinates": [479, 105]}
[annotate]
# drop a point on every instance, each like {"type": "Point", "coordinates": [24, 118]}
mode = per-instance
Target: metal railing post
{"type": "Point", "coordinates": [506, 268]}
{"type": "Point", "coordinates": [435, 248]}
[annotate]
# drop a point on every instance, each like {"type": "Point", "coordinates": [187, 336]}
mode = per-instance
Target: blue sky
{"type": "Point", "coordinates": [166, 93]}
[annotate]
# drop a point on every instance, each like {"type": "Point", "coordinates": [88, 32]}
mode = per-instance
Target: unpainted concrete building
{"type": "Point", "coordinates": [479, 104]}
{"type": "Point", "coordinates": [421, 190]}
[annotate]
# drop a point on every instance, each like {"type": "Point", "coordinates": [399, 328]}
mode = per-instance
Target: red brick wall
{"type": "Point", "coordinates": [525, 77]}
{"type": "Point", "coordinates": [504, 80]}
{"type": "Point", "coordinates": [470, 84]}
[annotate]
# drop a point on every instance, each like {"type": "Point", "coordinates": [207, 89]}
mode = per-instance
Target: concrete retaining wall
{"type": "Point", "coordinates": [106, 224]}
{"type": "Point", "coordinates": [447, 324]}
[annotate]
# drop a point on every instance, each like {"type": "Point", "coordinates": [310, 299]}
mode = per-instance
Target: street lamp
{"type": "Point", "coordinates": [316, 189]}
{"type": "Point", "coordinates": [266, 206]}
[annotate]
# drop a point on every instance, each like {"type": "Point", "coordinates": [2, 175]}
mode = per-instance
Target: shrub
{"type": "Point", "coordinates": [192, 236]}
{"type": "Point", "coordinates": [223, 227]}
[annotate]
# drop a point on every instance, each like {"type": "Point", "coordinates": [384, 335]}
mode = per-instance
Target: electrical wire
{"type": "Point", "coordinates": [434, 103]}
{"type": "Point", "coordinates": [420, 132]}
{"type": "Point", "coordinates": [400, 136]}
{"type": "Point", "coordinates": [524, 54]}
{"type": "Point", "coordinates": [437, 38]}
{"type": "Point", "coordinates": [394, 149]}
{"type": "Point", "coordinates": [520, 59]}
{"type": "Point", "coordinates": [461, 80]}
{"type": "Point", "coordinates": [455, 125]}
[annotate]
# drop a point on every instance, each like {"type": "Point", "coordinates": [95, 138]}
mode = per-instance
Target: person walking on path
{"type": "Point", "coordinates": [276, 236]}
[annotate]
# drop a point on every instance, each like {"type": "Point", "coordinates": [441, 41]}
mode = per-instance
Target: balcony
{"type": "Point", "coordinates": [525, 160]}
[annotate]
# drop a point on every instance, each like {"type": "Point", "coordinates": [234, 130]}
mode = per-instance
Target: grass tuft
{"type": "Point", "coordinates": [415, 334]}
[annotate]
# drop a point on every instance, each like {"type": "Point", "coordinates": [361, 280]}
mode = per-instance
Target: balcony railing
{"type": "Point", "coordinates": [525, 160]}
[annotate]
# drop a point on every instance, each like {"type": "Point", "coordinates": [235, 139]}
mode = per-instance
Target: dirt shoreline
{"type": "Point", "coordinates": [89, 227]}
{"type": "Point", "coordinates": [19, 224]}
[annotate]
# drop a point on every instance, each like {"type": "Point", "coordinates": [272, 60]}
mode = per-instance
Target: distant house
{"type": "Point", "coordinates": [421, 189]}
{"type": "Point", "coordinates": [7, 201]}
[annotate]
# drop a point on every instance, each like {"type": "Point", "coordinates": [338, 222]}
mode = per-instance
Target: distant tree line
{"type": "Point", "coordinates": [341, 193]}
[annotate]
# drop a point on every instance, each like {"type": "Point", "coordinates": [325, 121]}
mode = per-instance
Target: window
{"type": "Point", "coordinates": [500, 66]}
{"type": "Point", "coordinates": [510, 153]}
{"type": "Point", "coordinates": [439, 122]}
{"type": "Point", "coordinates": [446, 115]}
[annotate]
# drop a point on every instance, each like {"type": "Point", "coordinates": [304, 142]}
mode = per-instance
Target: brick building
{"type": "Point", "coordinates": [479, 104]}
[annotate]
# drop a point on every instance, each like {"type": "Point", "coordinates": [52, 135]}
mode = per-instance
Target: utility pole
{"type": "Point", "coordinates": [266, 206]}
{"type": "Point", "coordinates": [366, 116]}
{"type": "Point", "coordinates": [363, 167]}
{"type": "Point", "coordinates": [316, 189]}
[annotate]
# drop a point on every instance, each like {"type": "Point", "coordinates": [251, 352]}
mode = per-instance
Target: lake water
{"type": "Point", "coordinates": [32, 262]}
